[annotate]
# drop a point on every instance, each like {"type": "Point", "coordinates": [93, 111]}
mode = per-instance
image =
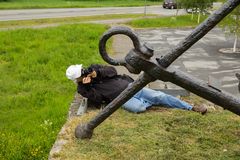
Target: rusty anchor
{"type": "Point", "coordinates": [139, 59]}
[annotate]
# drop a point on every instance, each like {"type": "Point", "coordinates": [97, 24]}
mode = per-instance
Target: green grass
{"type": "Point", "coordinates": [158, 135]}
{"type": "Point", "coordinates": [35, 96]}
{"type": "Point", "coordinates": [34, 93]}
{"type": "Point", "coordinates": [168, 22]}
{"type": "Point", "coordinates": [6, 24]}
{"type": "Point", "coordinates": [20, 4]}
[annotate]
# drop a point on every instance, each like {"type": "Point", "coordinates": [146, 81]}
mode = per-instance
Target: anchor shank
{"type": "Point", "coordinates": [198, 33]}
{"type": "Point", "coordinates": [133, 88]}
{"type": "Point", "coordinates": [202, 89]}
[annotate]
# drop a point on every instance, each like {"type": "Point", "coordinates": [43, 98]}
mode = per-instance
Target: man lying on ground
{"type": "Point", "coordinates": [101, 84]}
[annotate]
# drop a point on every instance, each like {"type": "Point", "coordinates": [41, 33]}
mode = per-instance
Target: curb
{"type": "Point", "coordinates": [60, 140]}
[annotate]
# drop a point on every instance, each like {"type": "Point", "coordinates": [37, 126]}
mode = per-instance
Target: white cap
{"type": "Point", "coordinates": [74, 71]}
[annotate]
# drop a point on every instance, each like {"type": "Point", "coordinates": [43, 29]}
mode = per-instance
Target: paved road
{"type": "Point", "coordinates": [202, 60]}
{"type": "Point", "coordinates": [26, 14]}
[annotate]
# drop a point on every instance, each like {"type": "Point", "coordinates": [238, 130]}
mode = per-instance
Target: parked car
{"type": "Point", "coordinates": [170, 4]}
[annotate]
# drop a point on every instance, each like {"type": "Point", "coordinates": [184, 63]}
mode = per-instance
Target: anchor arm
{"type": "Point", "coordinates": [202, 89]}
{"type": "Point", "coordinates": [198, 33]}
{"type": "Point", "coordinates": [186, 81]}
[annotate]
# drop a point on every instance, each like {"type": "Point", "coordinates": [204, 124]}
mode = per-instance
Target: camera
{"type": "Point", "coordinates": [85, 72]}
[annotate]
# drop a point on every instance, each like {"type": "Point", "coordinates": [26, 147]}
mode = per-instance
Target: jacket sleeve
{"type": "Point", "coordinates": [90, 93]}
{"type": "Point", "coordinates": [104, 71]}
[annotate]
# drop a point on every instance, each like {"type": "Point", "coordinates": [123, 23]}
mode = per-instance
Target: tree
{"type": "Point", "coordinates": [231, 25]}
{"type": "Point", "coordinates": [196, 6]}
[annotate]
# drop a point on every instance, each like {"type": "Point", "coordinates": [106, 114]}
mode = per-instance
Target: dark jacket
{"type": "Point", "coordinates": [106, 86]}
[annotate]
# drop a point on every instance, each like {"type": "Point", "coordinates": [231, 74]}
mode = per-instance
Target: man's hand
{"type": "Point", "coordinates": [89, 77]}
{"type": "Point", "coordinates": [93, 74]}
{"type": "Point", "coordinates": [86, 80]}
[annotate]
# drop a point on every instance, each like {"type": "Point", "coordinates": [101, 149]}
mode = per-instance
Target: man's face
{"type": "Point", "coordinates": [79, 79]}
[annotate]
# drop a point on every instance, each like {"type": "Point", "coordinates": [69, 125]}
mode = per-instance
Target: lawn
{"type": "Point", "coordinates": [34, 93]}
{"type": "Point", "coordinates": [20, 4]}
{"type": "Point", "coordinates": [157, 134]}
{"type": "Point", "coordinates": [35, 96]}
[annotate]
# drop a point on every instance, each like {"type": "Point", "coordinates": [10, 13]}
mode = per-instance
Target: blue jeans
{"type": "Point", "coordinates": [148, 97]}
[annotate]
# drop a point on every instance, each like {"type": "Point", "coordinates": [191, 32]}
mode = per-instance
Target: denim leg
{"type": "Point", "coordinates": [136, 105]}
{"type": "Point", "coordinates": [159, 98]}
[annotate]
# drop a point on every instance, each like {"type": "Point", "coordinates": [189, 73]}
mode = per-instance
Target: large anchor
{"type": "Point", "coordinates": [139, 59]}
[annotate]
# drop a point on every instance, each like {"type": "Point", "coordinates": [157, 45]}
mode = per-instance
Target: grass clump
{"type": "Point", "coordinates": [168, 22]}
{"type": "Point", "coordinates": [20, 4]}
{"type": "Point", "coordinates": [34, 91]}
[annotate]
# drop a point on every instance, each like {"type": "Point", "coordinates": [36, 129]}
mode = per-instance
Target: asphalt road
{"type": "Point", "coordinates": [27, 14]}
